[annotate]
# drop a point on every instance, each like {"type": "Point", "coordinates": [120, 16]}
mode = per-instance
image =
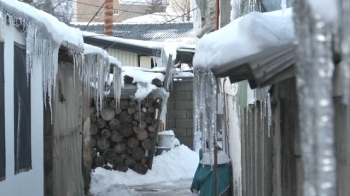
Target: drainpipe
{"type": "Point", "coordinates": [108, 17]}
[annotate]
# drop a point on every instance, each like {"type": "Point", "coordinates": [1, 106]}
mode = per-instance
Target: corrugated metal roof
{"type": "Point", "coordinates": [169, 33]}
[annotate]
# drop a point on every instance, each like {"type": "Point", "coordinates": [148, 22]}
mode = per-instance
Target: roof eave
{"type": "Point", "coordinates": [261, 69]}
{"type": "Point", "coordinates": [123, 46]}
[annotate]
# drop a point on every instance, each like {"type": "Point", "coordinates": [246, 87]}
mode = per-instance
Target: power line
{"type": "Point", "coordinates": [94, 16]}
{"type": "Point", "coordinates": [55, 6]}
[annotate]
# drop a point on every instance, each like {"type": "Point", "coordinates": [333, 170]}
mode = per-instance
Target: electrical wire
{"type": "Point", "coordinates": [55, 6]}
{"type": "Point", "coordinates": [94, 16]}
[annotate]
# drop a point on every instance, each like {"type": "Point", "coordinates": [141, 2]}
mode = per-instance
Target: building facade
{"type": "Point", "coordinates": [84, 10]}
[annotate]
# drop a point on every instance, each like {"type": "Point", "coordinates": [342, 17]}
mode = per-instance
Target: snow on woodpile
{"type": "Point", "coordinates": [179, 163]}
{"type": "Point", "coordinates": [245, 36]}
{"type": "Point", "coordinates": [144, 79]}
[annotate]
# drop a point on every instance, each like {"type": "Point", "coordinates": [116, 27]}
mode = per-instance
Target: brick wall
{"type": "Point", "coordinates": [180, 111]}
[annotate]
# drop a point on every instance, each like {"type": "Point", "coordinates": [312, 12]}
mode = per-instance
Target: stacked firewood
{"type": "Point", "coordinates": [123, 138]}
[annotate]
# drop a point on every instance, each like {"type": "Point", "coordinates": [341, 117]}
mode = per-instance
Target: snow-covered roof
{"type": "Point", "coordinates": [245, 36]}
{"type": "Point", "coordinates": [174, 32]}
{"type": "Point", "coordinates": [159, 17]}
{"type": "Point", "coordinates": [150, 48]}
{"type": "Point", "coordinates": [59, 31]}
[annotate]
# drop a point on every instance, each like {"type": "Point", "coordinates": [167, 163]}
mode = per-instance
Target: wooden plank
{"type": "Point", "coordinates": [86, 148]}
{"type": "Point", "coordinates": [67, 164]}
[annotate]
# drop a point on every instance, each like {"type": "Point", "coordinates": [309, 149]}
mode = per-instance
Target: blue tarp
{"type": "Point", "coordinates": [203, 180]}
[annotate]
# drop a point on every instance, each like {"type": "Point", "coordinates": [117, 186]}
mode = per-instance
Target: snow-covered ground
{"type": "Point", "coordinates": [178, 164]}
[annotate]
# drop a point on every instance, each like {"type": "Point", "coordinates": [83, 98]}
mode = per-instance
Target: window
{"type": "Point", "coordinates": [22, 112]}
{"type": "Point", "coordinates": [2, 116]}
{"type": "Point", "coordinates": [115, 12]}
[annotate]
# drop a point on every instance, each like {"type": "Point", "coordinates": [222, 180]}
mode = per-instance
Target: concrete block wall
{"type": "Point", "coordinates": [180, 111]}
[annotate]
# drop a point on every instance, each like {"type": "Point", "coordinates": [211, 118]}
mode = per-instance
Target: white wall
{"type": "Point", "coordinates": [234, 135]}
{"type": "Point", "coordinates": [32, 181]}
{"type": "Point", "coordinates": [125, 57]}
{"type": "Point", "coordinates": [145, 62]}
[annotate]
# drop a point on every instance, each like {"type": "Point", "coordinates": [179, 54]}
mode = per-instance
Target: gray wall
{"type": "Point", "coordinates": [179, 114]}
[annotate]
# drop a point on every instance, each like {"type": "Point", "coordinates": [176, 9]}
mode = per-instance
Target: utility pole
{"type": "Point", "coordinates": [108, 17]}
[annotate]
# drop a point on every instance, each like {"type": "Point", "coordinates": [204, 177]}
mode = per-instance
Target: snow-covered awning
{"type": "Point", "coordinates": [261, 69]}
{"type": "Point", "coordinates": [44, 23]}
{"type": "Point", "coordinates": [250, 34]}
{"type": "Point", "coordinates": [136, 46]}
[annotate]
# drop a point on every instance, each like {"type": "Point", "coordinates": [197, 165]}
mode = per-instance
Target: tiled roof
{"type": "Point", "coordinates": [170, 32]}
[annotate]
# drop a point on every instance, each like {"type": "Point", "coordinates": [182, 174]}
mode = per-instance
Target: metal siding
{"type": "Point", "coordinates": [126, 58]}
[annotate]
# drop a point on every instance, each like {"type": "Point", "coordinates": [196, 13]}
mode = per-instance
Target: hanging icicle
{"type": "Point", "coordinates": [269, 115]}
{"type": "Point", "coordinates": [315, 91]}
{"type": "Point", "coordinates": [205, 91]}
{"type": "Point", "coordinates": [117, 83]}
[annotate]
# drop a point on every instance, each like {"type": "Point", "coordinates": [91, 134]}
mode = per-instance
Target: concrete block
{"type": "Point", "coordinates": [189, 95]}
{"type": "Point", "coordinates": [189, 114]}
{"type": "Point", "coordinates": [176, 114]}
{"type": "Point", "coordinates": [179, 86]}
{"type": "Point", "coordinates": [170, 124]}
{"type": "Point", "coordinates": [184, 123]}
{"type": "Point", "coordinates": [180, 95]}
{"type": "Point", "coordinates": [171, 105]}
{"type": "Point", "coordinates": [180, 132]}
{"type": "Point", "coordinates": [184, 105]}
{"type": "Point", "coordinates": [188, 86]}
{"type": "Point", "coordinates": [190, 132]}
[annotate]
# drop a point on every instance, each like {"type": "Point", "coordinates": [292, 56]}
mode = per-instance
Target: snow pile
{"type": "Point", "coordinates": [143, 80]}
{"type": "Point", "coordinates": [179, 163]}
{"type": "Point", "coordinates": [185, 75]}
{"type": "Point", "coordinates": [245, 36]}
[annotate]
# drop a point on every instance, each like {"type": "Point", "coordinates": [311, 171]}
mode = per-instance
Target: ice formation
{"type": "Point", "coordinates": [315, 93]}
{"type": "Point", "coordinates": [44, 36]}
{"type": "Point", "coordinates": [205, 100]}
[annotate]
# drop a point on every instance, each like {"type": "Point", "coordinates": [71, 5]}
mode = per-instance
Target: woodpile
{"type": "Point", "coordinates": [123, 138]}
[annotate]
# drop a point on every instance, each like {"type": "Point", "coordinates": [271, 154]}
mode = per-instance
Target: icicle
{"type": "Point", "coordinates": [117, 83]}
{"type": "Point", "coordinates": [206, 108]}
{"type": "Point", "coordinates": [269, 115]}
{"type": "Point", "coordinates": [261, 109]}
{"type": "Point", "coordinates": [315, 94]}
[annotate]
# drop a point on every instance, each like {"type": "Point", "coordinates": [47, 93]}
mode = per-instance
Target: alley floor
{"type": "Point", "coordinates": [176, 188]}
